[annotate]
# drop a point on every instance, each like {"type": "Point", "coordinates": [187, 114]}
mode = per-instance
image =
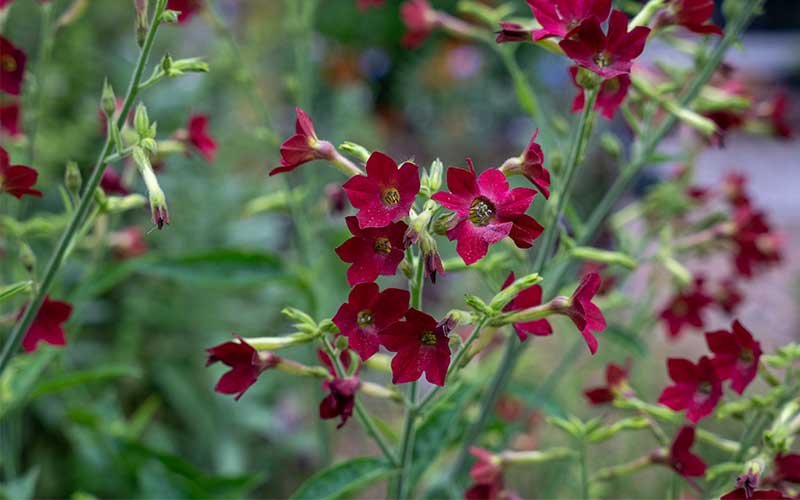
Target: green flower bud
{"type": "Point", "coordinates": [356, 150]}
{"type": "Point", "coordinates": [611, 145]}
{"type": "Point", "coordinates": [478, 305]}
{"type": "Point", "coordinates": [507, 294]}
{"type": "Point", "coordinates": [108, 100]}
{"type": "Point", "coordinates": [27, 257]}
{"type": "Point", "coordinates": [169, 16]}
{"type": "Point", "coordinates": [72, 178]}
{"type": "Point", "coordinates": [141, 122]}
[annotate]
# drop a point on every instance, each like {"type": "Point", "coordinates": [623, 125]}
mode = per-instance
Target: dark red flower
{"type": "Point", "coordinates": [337, 200]}
{"type": "Point", "coordinates": [421, 345]}
{"type": "Point", "coordinates": [344, 359]}
{"type": "Point", "coordinates": [607, 282]}
{"type": "Point", "coordinates": [111, 182]}
{"type": "Point", "coordinates": [486, 468]}
{"type": "Point", "coordinates": [736, 355]}
{"type": "Point", "coordinates": [17, 180]}
{"type": "Point", "coordinates": [187, 8]}
{"type": "Point", "coordinates": [373, 252]}
{"type": "Point", "coordinates": [304, 146]}
{"type": "Point", "coordinates": [756, 244]}
{"type": "Point", "coordinates": [48, 325]}
{"type": "Point", "coordinates": [609, 55]}
{"type": "Point", "coordinates": [12, 67]}
{"type": "Point", "coordinates": [385, 194]}
{"type": "Point", "coordinates": [694, 15]}
{"type": "Point", "coordinates": [340, 401]}
{"type": "Point", "coordinates": [787, 468]}
{"type": "Point", "coordinates": [199, 137]}
{"type": "Point", "coordinates": [728, 296]}
{"type": "Point", "coordinates": [529, 297]}
{"type": "Point", "coordinates": [616, 382]}
{"type": "Point", "coordinates": [686, 308]}
{"type": "Point", "coordinates": [246, 365]}
{"type": "Point", "coordinates": [10, 122]}
{"type": "Point", "coordinates": [128, 243]}
{"type": "Point", "coordinates": [485, 491]}
{"type": "Point", "coordinates": [778, 109]}
{"type": "Point", "coordinates": [734, 188]}
{"type": "Point", "coordinates": [559, 17]}
{"type": "Point", "coordinates": [512, 32]}
{"type": "Point", "coordinates": [486, 211]}
{"type": "Point", "coordinates": [610, 96]}
{"type": "Point", "coordinates": [743, 494]}
{"type": "Point", "coordinates": [531, 165]}
{"type": "Point", "coordinates": [420, 19]}
{"type": "Point", "coordinates": [366, 313]}
{"type": "Point", "coordinates": [697, 388]}
{"type": "Point", "coordinates": [683, 461]}
{"type": "Point", "coordinates": [584, 313]}
{"type": "Point", "coordinates": [366, 4]}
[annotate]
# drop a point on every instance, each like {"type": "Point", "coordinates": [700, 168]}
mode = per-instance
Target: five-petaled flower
{"type": "Point", "coordinates": [12, 67]}
{"type": "Point", "coordinates": [304, 146]}
{"type": "Point", "coordinates": [531, 165]}
{"type": "Point", "coordinates": [583, 312]}
{"type": "Point", "coordinates": [385, 194]}
{"type": "Point", "coordinates": [245, 362]}
{"type": "Point", "coordinates": [420, 19]}
{"type": "Point", "coordinates": [421, 345]}
{"type": "Point", "coordinates": [616, 384]}
{"type": "Point", "coordinates": [48, 325]}
{"type": "Point", "coordinates": [366, 313]}
{"type": "Point", "coordinates": [787, 468]}
{"type": "Point", "coordinates": [199, 137]}
{"type": "Point", "coordinates": [610, 95]}
{"type": "Point", "coordinates": [374, 252]}
{"type": "Point", "coordinates": [736, 355]}
{"type": "Point", "coordinates": [486, 211]}
{"type": "Point", "coordinates": [10, 119]}
{"type": "Point", "coordinates": [187, 8]}
{"type": "Point", "coordinates": [686, 308]}
{"type": "Point", "coordinates": [756, 244]}
{"type": "Point", "coordinates": [559, 17]}
{"type": "Point", "coordinates": [17, 180]}
{"type": "Point", "coordinates": [694, 15]}
{"type": "Point", "coordinates": [683, 461]}
{"type": "Point", "coordinates": [340, 400]}
{"type": "Point", "coordinates": [529, 297]}
{"type": "Point", "coordinates": [697, 388]}
{"type": "Point", "coordinates": [609, 55]}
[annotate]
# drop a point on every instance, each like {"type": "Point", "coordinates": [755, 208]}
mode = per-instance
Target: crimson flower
{"type": "Point", "coordinates": [486, 211]}
{"type": "Point", "coordinates": [420, 19]}
{"type": "Point", "coordinates": [683, 461]}
{"type": "Point", "coordinates": [728, 296]}
{"type": "Point", "coordinates": [778, 108]}
{"type": "Point", "coordinates": [111, 182]}
{"type": "Point", "coordinates": [529, 297]}
{"type": "Point", "coordinates": [512, 32]}
{"type": "Point", "coordinates": [559, 17]}
{"type": "Point", "coordinates": [485, 491]}
{"type": "Point", "coordinates": [12, 67]}
{"type": "Point", "coordinates": [486, 474]}
{"type": "Point", "coordinates": [694, 15]}
{"type": "Point", "coordinates": [616, 382]}
{"type": "Point", "coordinates": [697, 388]}
{"type": "Point", "coordinates": [385, 194]}
{"type": "Point", "coordinates": [128, 243]}
{"type": "Point", "coordinates": [610, 95]}
{"type": "Point", "coordinates": [48, 325]}
{"type": "Point", "coordinates": [344, 359]}
{"type": "Point", "coordinates": [743, 494]}
{"type": "Point", "coordinates": [366, 313]}
{"type": "Point", "coordinates": [187, 8]}
{"type": "Point", "coordinates": [609, 55]}
{"type": "Point", "coordinates": [734, 188]}
{"type": "Point", "coordinates": [584, 313]}
{"type": "Point", "coordinates": [341, 399]}
{"type": "Point", "coordinates": [199, 137]}
{"type": "Point", "coordinates": [756, 245]}
{"type": "Point", "coordinates": [373, 252]}
{"type": "Point", "coordinates": [246, 365]}
{"type": "Point", "coordinates": [366, 4]}
{"type": "Point", "coordinates": [531, 165]}
{"type": "Point", "coordinates": [686, 308]}
{"type": "Point", "coordinates": [736, 355]}
{"type": "Point", "coordinates": [10, 119]}
{"type": "Point", "coordinates": [304, 146]}
{"type": "Point", "coordinates": [421, 345]}
{"type": "Point", "coordinates": [787, 468]}
{"type": "Point", "coordinates": [17, 180]}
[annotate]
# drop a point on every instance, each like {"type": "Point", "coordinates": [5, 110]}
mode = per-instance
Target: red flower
{"type": "Point", "coordinates": [734, 188]}
{"type": "Point", "coordinates": [199, 137]}
{"type": "Point", "coordinates": [480, 491]}
{"type": "Point", "coordinates": [531, 165]}
{"type": "Point", "coordinates": [756, 245]}
{"type": "Point", "coordinates": [10, 119]}
{"type": "Point", "coordinates": [559, 17]}
{"type": "Point", "coordinates": [366, 4]}
{"type": "Point", "coordinates": [610, 97]}
{"type": "Point", "coordinates": [728, 296]}
{"type": "Point", "coordinates": [697, 388]}
{"type": "Point", "coordinates": [609, 55]}
{"type": "Point", "coordinates": [111, 182]}
{"type": "Point", "coordinates": [420, 19]}
{"type": "Point", "coordinates": [373, 252]}
{"type": "Point", "coordinates": [304, 146]}
{"type": "Point", "coordinates": [17, 180]}
{"type": "Point", "coordinates": [421, 345]}
{"type": "Point", "coordinates": [584, 313]}
{"type": "Point", "coordinates": [340, 401]}
{"type": "Point", "coordinates": [736, 355]}
{"type": "Point", "coordinates": [187, 8]}
{"type": "Point", "coordinates": [12, 67]}
{"type": "Point", "coordinates": [616, 382]}
{"type": "Point", "coordinates": [694, 15]}
{"type": "Point", "coordinates": [128, 243]}
{"type": "Point", "coordinates": [246, 365]}
{"type": "Point", "coordinates": [385, 194]}
{"type": "Point", "coordinates": [683, 461]}
{"type": "Point", "coordinates": [48, 325]}
{"type": "Point", "coordinates": [686, 308]}
{"type": "Point", "coordinates": [787, 468]}
{"type": "Point", "coordinates": [743, 494]}
{"type": "Point", "coordinates": [512, 32]}
{"type": "Point", "coordinates": [486, 211]}
{"type": "Point", "coordinates": [366, 313]}
{"type": "Point", "coordinates": [344, 359]}
{"type": "Point", "coordinates": [486, 473]}
{"type": "Point", "coordinates": [530, 297]}
{"type": "Point", "coordinates": [778, 109]}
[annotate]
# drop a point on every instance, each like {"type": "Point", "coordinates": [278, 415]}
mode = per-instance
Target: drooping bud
{"type": "Point", "coordinates": [27, 257]}
{"type": "Point", "coordinates": [141, 21]}
{"type": "Point", "coordinates": [72, 178]}
{"type": "Point", "coordinates": [158, 201]}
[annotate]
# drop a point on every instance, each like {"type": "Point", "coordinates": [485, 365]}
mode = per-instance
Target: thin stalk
{"type": "Point", "coordinates": [12, 341]}
{"type": "Point", "coordinates": [584, 471]}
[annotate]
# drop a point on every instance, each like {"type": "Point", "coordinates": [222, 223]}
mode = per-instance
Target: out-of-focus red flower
{"type": "Point", "coordinates": [697, 388]}
{"type": "Point", "coordinates": [10, 119]}
{"type": "Point", "coordinates": [512, 32]}
{"type": "Point", "coordinates": [486, 468]}
{"type": "Point", "coordinates": [17, 180]}
{"type": "Point", "coordinates": [385, 194]}
{"type": "Point", "coordinates": [12, 67]}
{"type": "Point", "coordinates": [728, 296]}
{"type": "Point", "coordinates": [531, 165]}
{"type": "Point", "coordinates": [111, 182]}
{"type": "Point", "coordinates": [366, 4]}
{"type": "Point", "coordinates": [683, 461]}
{"type": "Point", "coordinates": [374, 252]}
{"type": "Point", "coordinates": [366, 313]}
{"type": "Point", "coordinates": [616, 383]}
{"type": "Point", "coordinates": [509, 408]}
{"type": "Point", "coordinates": [607, 282]}
{"type": "Point", "coordinates": [128, 243]}
{"type": "Point", "coordinates": [340, 400]}
{"type": "Point", "coordinates": [787, 468]}
{"type": "Point", "coordinates": [736, 355]}
{"type": "Point", "coordinates": [200, 138]}
{"type": "Point", "coordinates": [734, 188]}
{"type": "Point", "coordinates": [344, 359]}
{"type": "Point", "coordinates": [609, 55]}
{"type": "Point", "coordinates": [421, 345]}
{"type": "Point", "coordinates": [48, 326]}
{"type": "Point", "coordinates": [529, 297]}
{"type": "Point", "coordinates": [486, 211]}
{"type": "Point", "coordinates": [337, 200]}
{"type": "Point", "coordinates": [304, 146]}
{"type": "Point", "coordinates": [420, 19]}
{"type": "Point", "coordinates": [778, 108]}
{"type": "Point", "coordinates": [686, 308]}
{"type": "Point", "coordinates": [559, 17]}
{"type": "Point", "coordinates": [187, 8]}
{"type": "Point", "coordinates": [743, 494]}
{"type": "Point", "coordinates": [694, 15]}
{"type": "Point", "coordinates": [584, 313]}
{"type": "Point", "coordinates": [757, 246]}
{"type": "Point", "coordinates": [610, 96]}
{"type": "Point", "coordinates": [246, 365]}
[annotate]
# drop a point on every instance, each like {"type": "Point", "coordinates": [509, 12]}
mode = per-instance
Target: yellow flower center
{"type": "Point", "coordinates": [602, 59]}
{"type": "Point", "coordinates": [364, 318]}
{"type": "Point", "coordinates": [481, 211]}
{"type": "Point", "coordinates": [9, 63]}
{"type": "Point", "coordinates": [391, 196]}
{"type": "Point", "coordinates": [382, 245]}
{"type": "Point", "coordinates": [428, 338]}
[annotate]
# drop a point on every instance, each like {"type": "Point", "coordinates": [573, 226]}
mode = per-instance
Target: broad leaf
{"type": "Point", "coordinates": [343, 480]}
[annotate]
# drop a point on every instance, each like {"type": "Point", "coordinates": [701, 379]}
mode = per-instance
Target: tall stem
{"type": "Point", "coordinates": [12, 341]}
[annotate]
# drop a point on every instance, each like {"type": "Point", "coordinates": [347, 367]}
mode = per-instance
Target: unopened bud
{"type": "Point", "coordinates": [170, 16]}
{"type": "Point", "coordinates": [433, 179]}
{"type": "Point", "coordinates": [611, 145]}
{"type": "Point", "coordinates": [341, 343]}
{"type": "Point", "coordinates": [27, 257]}
{"type": "Point", "coordinates": [507, 294]}
{"type": "Point", "coordinates": [150, 145]}
{"type": "Point", "coordinates": [72, 178]}
{"type": "Point", "coordinates": [141, 21]}
{"type": "Point", "coordinates": [166, 63]}
{"type": "Point", "coordinates": [189, 65]}
{"type": "Point", "coordinates": [141, 121]}
{"type": "Point", "coordinates": [588, 79]}
{"type": "Point", "coordinates": [677, 270]}
{"type": "Point", "coordinates": [354, 149]}
{"type": "Point", "coordinates": [108, 100]}
{"type": "Point", "coordinates": [478, 305]}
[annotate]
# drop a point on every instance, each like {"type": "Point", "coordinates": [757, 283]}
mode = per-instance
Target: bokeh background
{"type": "Point", "coordinates": [151, 425]}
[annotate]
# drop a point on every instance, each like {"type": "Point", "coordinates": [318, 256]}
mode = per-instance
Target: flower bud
{"type": "Point", "coordinates": [677, 270]}
{"type": "Point", "coordinates": [169, 16]}
{"type": "Point", "coordinates": [432, 181]}
{"type": "Point", "coordinates": [158, 201]}
{"type": "Point", "coordinates": [603, 256]}
{"type": "Point", "coordinates": [27, 257]}
{"type": "Point", "coordinates": [141, 121]}
{"type": "Point", "coordinates": [119, 204]}
{"type": "Point", "coordinates": [166, 63]}
{"type": "Point", "coordinates": [141, 21]}
{"type": "Point", "coordinates": [72, 178]}
{"type": "Point", "coordinates": [588, 79]}
{"type": "Point", "coordinates": [341, 343]}
{"type": "Point", "coordinates": [611, 145]}
{"type": "Point", "coordinates": [108, 101]}
{"type": "Point", "coordinates": [508, 293]}
{"type": "Point", "coordinates": [478, 305]}
{"type": "Point", "coordinates": [150, 145]}
{"type": "Point", "coordinates": [356, 150]}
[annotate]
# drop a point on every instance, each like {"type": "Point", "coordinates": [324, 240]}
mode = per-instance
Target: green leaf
{"type": "Point", "coordinates": [9, 291]}
{"type": "Point", "coordinates": [343, 480]}
{"type": "Point", "coordinates": [82, 377]}
{"type": "Point", "coordinates": [19, 378]}
{"type": "Point", "coordinates": [216, 268]}
{"type": "Point", "coordinates": [21, 488]}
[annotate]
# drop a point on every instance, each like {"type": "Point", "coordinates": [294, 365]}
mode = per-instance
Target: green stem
{"type": "Point", "coordinates": [584, 470]}
{"type": "Point", "coordinates": [12, 341]}
{"type": "Point", "coordinates": [621, 470]}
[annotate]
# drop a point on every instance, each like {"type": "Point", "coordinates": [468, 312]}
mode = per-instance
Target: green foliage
{"type": "Point", "coordinates": [343, 479]}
